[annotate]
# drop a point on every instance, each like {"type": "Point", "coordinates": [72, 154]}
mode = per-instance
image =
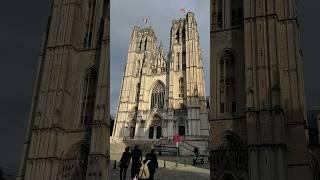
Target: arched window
{"type": "Point", "coordinates": [157, 96]}
{"type": "Point", "coordinates": [181, 88]}
{"type": "Point", "coordinates": [140, 45]}
{"type": "Point", "coordinates": [178, 61]}
{"type": "Point", "coordinates": [88, 98]}
{"type": "Point", "coordinates": [177, 36]}
{"type": "Point", "coordinates": [145, 44]}
{"type": "Point", "coordinates": [227, 82]}
{"type": "Point", "coordinates": [236, 12]}
{"type": "Point", "coordinates": [137, 68]}
{"type": "Point", "coordinates": [183, 34]}
{"type": "Point", "coordinates": [184, 60]}
{"type": "Point", "coordinates": [74, 166]}
{"type": "Point", "coordinates": [89, 19]}
{"type": "Point", "coordinates": [219, 17]}
{"type": "Point", "coordinates": [225, 17]}
{"type": "Point", "coordinates": [231, 152]}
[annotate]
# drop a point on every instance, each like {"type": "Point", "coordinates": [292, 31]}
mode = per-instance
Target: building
{"type": "Point", "coordinates": [257, 115]}
{"type": "Point", "coordinates": [68, 131]}
{"type": "Point", "coordinates": [163, 96]}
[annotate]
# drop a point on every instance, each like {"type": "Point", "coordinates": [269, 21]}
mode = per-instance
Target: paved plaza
{"type": "Point", "coordinates": [168, 169]}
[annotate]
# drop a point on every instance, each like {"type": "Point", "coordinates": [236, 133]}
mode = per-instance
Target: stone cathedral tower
{"type": "Point", "coordinates": [68, 130]}
{"type": "Point", "coordinates": [186, 79]}
{"type": "Point", "coordinates": [257, 97]}
{"type": "Point", "coordinates": [162, 97]}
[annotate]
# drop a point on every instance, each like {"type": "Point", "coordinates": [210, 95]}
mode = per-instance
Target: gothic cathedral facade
{"type": "Point", "coordinates": [69, 124]}
{"type": "Point", "coordinates": [257, 115]}
{"type": "Point", "coordinates": [162, 96]}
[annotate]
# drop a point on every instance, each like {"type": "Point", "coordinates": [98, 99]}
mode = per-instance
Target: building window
{"type": "Point", "coordinates": [177, 36]}
{"type": "Point", "coordinates": [234, 106]}
{"type": "Point", "coordinates": [145, 44]}
{"type": "Point", "coordinates": [183, 60]}
{"type": "Point", "coordinates": [88, 100]}
{"type": "Point", "coordinates": [178, 60]}
{"type": "Point", "coordinates": [227, 80]}
{"type": "Point", "coordinates": [237, 12]}
{"type": "Point", "coordinates": [140, 45]}
{"type": "Point", "coordinates": [157, 96]}
{"type": "Point", "coordinates": [181, 87]}
{"type": "Point", "coordinates": [221, 107]}
{"type": "Point", "coordinates": [89, 23]}
{"type": "Point", "coordinates": [220, 24]}
{"type": "Point", "coordinates": [183, 35]}
{"type": "Point", "coordinates": [234, 17]}
{"type": "Point", "coordinates": [137, 92]}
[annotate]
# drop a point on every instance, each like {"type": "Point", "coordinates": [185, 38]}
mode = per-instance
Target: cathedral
{"type": "Point", "coordinates": [68, 130]}
{"type": "Point", "coordinates": [258, 113]}
{"type": "Point", "coordinates": [163, 95]}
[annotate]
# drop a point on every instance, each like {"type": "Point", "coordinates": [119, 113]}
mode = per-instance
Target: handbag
{"type": "Point", "coordinates": [135, 177]}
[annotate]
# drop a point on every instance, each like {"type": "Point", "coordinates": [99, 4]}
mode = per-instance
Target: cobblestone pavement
{"type": "Point", "coordinates": [168, 169]}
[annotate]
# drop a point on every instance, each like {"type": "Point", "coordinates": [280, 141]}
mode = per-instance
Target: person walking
{"type": "Point", "coordinates": [136, 156]}
{"type": "Point", "coordinates": [124, 163]}
{"type": "Point", "coordinates": [195, 156]}
{"type": "Point", "coordinates": [153, 165]}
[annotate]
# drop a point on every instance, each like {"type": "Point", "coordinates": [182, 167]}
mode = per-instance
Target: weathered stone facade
{"type": "Point", "coordinates": [257, 115]}
{"type": "Point", "coordinates": [68, 129]}
{"type": "Point", "coordinates": [160, 96]}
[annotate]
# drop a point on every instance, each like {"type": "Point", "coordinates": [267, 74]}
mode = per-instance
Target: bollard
{"type": "Point", "coordinates": [176, 163]}
{"type": "Point", "coordinates": [115, 164]}
{"type": "Point", "coordinates": [164, 163]}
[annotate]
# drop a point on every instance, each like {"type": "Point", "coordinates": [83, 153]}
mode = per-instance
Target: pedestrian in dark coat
{"type": "Point", "coordinates": [153, 164]}
{"type": "Point", "coordinates": [136, 156]}
{"type": "Point", "coordinates": [124, 163]}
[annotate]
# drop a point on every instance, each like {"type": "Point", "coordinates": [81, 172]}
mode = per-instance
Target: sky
{"type": "Point", "coordinates": [22, 26]}
{"type": "Point", "coordinates": [160, 15]}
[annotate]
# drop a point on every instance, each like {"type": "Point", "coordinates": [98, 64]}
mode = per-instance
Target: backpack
{"type": "Point", "coordinates": [144, 171]}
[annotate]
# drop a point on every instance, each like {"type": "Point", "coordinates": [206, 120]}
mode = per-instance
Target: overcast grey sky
{"type": "Point", "coordinates": [125, 14]}
{"type": "Point", "coordinates": [22, 26]}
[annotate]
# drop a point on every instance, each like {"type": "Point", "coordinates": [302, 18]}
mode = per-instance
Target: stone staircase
{"type": "Point", "coordinates": [186, 146]}
{"type": "Point", "coordinates": [163, 146]}
{"type": "Point", "coordinates": [117, 146]}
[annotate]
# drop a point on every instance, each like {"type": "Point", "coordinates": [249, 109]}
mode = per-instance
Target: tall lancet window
{"type": "Point", "coordinates": [88, 98]}
{"type": "Point", "coordinates": [90, 15]}
{"type": "Point", "coordinates": [157, 96]}
{"type": "Point", "coordinates": [181, 88]}
{"type": "Point", "coordinates": [227, 82]}
{"type": "Point", "coordinates": [183, 34]}
{"type": "Point", "coordinates": [219, 14]}
{"type": "Point", "coordinates": [177, 37]}
{"type": "Point", "coordinates": [236, 12]}
{"type": "Point", "coordinates": [145, 43]}
{"type": "Point", "coordinates": [140, 45]}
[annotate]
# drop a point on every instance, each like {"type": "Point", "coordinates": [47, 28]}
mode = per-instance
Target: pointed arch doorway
{"type": "Point", "coordinates": [155, 129]}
